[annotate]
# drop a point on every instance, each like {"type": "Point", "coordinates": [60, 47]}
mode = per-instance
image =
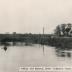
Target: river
{"type": "Point", "coordinates": [33, 55]}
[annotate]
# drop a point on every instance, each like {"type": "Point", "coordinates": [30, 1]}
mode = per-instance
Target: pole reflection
{"type": "Point", "coordinates": [43, 50]}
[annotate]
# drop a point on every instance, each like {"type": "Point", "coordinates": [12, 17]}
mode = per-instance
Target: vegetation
{"type": "Point", "coordinates": [27, 38]}
{"type": "Point", "coordinates": [64, 30]}
{"type": "Point", "coordinates": [62, 37]}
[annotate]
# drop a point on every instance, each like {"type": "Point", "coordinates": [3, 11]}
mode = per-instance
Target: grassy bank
{"type": "Point", "coordinates": [65, 42]}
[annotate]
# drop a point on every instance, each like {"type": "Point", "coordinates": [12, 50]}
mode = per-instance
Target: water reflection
{"type": "Point", "coordinates": [5, 45]}
{"type": "Point", "coordinates": [43, 50]}
{"type": "Point", "coordinates": [20, 55]}
{"type": "Point", "coordinates": [63, 52]}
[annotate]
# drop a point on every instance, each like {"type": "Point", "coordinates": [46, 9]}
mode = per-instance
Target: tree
{"type": "Point", "coordinates": [63, 29]}
{"type": "Point", "coordinates": [68, 29]}
{"type": "Point", "coordinates": [58, 30]}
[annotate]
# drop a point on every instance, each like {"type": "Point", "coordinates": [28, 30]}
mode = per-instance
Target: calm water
{"type": "Point", "coordinates": [35, 55]}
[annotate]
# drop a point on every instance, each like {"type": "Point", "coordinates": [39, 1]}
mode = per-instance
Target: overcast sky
{"type": "Point", "coordinates": [29, 16]}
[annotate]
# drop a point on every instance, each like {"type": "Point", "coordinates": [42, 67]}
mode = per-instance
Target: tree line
{"type": "Point", "coordinates": [63, 30]}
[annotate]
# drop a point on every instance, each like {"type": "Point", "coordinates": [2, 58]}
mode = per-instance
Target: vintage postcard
{"type": "Point", "coordinates": [35, 35]}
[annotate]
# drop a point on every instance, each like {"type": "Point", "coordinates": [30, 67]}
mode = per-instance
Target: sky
{"type": "Point", "coordinates": [30, 16]}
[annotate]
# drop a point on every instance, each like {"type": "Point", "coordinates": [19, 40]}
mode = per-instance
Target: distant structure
{"type": "Point", "coordinates": [14, 33]}
{"type": "Point", "coordinates": [7, 32]}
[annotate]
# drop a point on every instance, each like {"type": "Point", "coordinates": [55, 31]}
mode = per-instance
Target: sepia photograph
{"type": "Point", "coordinates": [35, 35]}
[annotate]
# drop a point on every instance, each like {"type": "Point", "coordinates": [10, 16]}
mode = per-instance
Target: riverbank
{"type": "Point", "coordinates": [44, 39]}
{"type": "Point", "coordinates": [64, 42]}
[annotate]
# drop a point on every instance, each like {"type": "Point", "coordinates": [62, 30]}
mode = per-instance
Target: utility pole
{"type": "Point", "coordinates": [43, 30]}
{"type": "Point", "coordinates": [43, 41]}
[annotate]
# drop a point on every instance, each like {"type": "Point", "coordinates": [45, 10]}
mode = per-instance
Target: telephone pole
{"type": "Point", "coordinates": [43, 41]}
{"type": "Point", "coordinates": [43, 30]}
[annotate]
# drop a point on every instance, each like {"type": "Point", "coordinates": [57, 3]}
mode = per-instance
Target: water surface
{"type": "Point", "coordinates": [33, 55]}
